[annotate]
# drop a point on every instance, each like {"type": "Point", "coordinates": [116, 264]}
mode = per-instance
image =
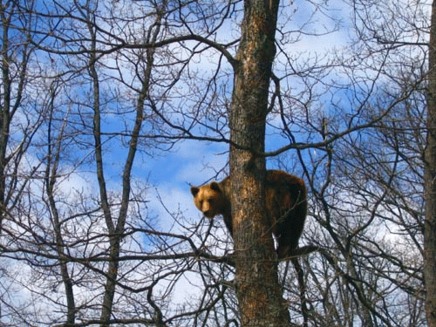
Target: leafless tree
{"type": "Point", "coordinates": [368, 184]}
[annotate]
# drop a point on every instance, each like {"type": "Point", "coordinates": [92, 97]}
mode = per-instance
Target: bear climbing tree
{"type": "Point", "coordinates": [285, 203]}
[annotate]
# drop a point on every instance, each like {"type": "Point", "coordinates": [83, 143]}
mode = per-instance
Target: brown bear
{"type": "Point", "coordinates": [286, 205]}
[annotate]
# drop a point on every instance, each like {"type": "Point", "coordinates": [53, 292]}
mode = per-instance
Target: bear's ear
{"type": "Point", "coordinates": [215, 186]}
{"type": "Point", "coordinates": [194, 190]}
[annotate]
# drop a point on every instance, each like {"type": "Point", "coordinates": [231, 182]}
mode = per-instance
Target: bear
{"type": "Point", "coordinates": [286, 206]}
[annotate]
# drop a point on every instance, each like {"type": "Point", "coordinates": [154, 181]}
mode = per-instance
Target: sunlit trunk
{"type": "Point", "coordinates": [430, 182]}
{"type": "Point", "coordinates": [258, 291]}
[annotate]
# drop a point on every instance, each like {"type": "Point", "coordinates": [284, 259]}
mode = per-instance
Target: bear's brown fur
{"type": "Point", "coordinates": [286, 205]}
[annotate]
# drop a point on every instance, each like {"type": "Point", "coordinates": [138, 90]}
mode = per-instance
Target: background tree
{"type": "Point", "coordinates": [368, 185]}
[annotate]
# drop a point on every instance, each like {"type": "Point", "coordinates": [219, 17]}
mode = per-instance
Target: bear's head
{"type": "Point", "coordinates": [210, 199]}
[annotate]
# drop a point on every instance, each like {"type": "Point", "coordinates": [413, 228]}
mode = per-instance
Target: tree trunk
{"type": "Point", "coordinates": [430, 182]}
{"type": "Point", "coordinates": [258, 290]}
{"type": "Point", "coordinates": [5, 106]}
{"type": "Point", "coordinates": [51, 174]}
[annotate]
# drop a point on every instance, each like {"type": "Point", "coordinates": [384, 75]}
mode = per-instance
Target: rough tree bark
{"type": "Point", "coordinates": [258, 291]}
{"type": "Point", "coordinates": [430, 181]}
